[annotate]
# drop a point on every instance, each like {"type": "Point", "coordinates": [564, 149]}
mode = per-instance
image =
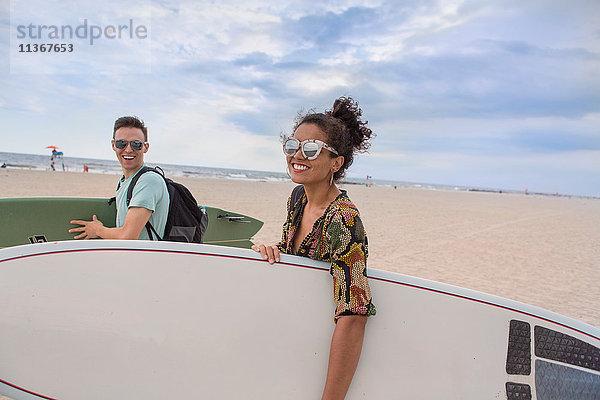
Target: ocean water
{"type": "Point", "coordinates": [75, 164]}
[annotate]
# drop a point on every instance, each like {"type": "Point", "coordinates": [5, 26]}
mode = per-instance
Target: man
{"type": "Point", "coordinates": [150, 198]}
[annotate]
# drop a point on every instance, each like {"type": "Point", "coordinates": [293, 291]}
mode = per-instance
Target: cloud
{"type": "Point", "coordinates": [462, 92]}
{"type": "Point", "coordinates": [548, 173]}
{"type": "Point", "coordinates": [189, 138]}
{"type": "Point", "coordinates": [491, 137]}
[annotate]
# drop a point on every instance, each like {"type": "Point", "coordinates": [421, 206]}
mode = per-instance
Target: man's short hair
{"type": "Point", "coordinates": [131, 122]}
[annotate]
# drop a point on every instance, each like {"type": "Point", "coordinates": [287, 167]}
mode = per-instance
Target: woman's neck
{"type": "Point", "coordinates": [321, 195]}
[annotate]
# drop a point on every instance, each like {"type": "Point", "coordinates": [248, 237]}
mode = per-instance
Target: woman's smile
{"type": "Point", "coordinates": [299, 167]}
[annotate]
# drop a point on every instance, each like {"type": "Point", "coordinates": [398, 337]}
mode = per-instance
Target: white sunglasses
{"type": "Point", "coordinates": [311, 148]}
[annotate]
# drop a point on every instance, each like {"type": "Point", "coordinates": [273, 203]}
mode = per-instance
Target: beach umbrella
{"type": "Point", "coordinates": [52, 147]}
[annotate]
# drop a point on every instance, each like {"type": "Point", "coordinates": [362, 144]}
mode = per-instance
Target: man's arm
{"type": "Point", "coordinates": [135, 220]}
{"type": "Point", "coordinates": [344, 354]}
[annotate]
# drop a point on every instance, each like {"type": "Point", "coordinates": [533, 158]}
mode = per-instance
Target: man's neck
{"type": "Point", "coordinates": [129, 173]}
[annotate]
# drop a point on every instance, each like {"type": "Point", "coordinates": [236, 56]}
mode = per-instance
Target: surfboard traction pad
{"type": "Point", "coordinates": [552, 381]}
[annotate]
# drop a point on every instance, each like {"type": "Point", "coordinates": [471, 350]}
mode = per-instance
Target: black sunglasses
{"type": "Point", "coordinates": [135, 144]}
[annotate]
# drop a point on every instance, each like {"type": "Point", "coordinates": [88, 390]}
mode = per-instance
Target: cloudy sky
{"type": "Point", "coordinates": [498, 94]}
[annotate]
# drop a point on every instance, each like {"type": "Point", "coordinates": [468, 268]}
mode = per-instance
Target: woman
{"type": "Point", "coordinates": [323, 224]}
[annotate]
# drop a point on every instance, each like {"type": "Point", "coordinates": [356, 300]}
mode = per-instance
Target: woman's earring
{"type": "Point", "coordinates": [287, 171]}
{"type": "Point", "coordinates": [331, 180]}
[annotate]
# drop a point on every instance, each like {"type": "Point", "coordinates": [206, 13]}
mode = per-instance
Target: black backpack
{"type": "Point", "coordinates": [186, 222]}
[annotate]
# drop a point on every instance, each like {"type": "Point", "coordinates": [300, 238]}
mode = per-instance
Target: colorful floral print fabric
{"type": "Point", "coordinates": [338, 236]}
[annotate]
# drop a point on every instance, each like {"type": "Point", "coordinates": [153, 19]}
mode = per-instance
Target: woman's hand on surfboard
{"type": "Point", "coordinates": [89, 230]}
{"type": "Point", "coordinates": [269, 253]}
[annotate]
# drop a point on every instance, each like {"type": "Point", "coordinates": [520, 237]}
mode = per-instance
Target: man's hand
{"type": "Point", "coordinates": [89, 230]}
{"type": "Point", "coordinates": [135, 220]}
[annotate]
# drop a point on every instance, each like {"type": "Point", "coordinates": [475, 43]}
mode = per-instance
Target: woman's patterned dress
{"type": "Point", "coordinates": [338, 236]}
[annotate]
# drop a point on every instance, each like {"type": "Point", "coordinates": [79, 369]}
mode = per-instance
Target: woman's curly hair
{"type": "Point", "coordinates": [344, 129]}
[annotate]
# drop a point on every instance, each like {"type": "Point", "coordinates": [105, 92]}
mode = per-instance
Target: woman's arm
{"type": "Point", "coordinates": [346, 345]}
{"type": "Point", "coordinates": [271, 252]}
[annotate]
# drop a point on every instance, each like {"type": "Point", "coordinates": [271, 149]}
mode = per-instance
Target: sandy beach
{"type": "Point", "coordinates": [541, 250]}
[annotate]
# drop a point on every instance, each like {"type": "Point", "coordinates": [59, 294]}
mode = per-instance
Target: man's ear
{"type": "Point", "coordinates": [146, 146]}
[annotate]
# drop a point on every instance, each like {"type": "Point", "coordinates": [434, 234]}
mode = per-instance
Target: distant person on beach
{"type": "Point", "coordinates": [323, 224]}
{"type": "Point", "coordinates": [150, 198]}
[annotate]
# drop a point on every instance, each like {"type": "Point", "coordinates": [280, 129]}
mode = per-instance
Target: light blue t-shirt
{"type": "Point", "coordinates": [149, 192]}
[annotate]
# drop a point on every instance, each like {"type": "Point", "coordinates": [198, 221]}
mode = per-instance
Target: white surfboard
{"type": "Point", "coordinates": [158, 320]}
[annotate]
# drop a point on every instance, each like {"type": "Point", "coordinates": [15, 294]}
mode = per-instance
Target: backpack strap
{"type": "Point", "coordinates": [150, 229]}
{"type": "Point", "coordinates": [114, 198]}
{"type": "Point", "coordinates": [137, 176]}
{"type": "Point", "coordinates": [143, 170]}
